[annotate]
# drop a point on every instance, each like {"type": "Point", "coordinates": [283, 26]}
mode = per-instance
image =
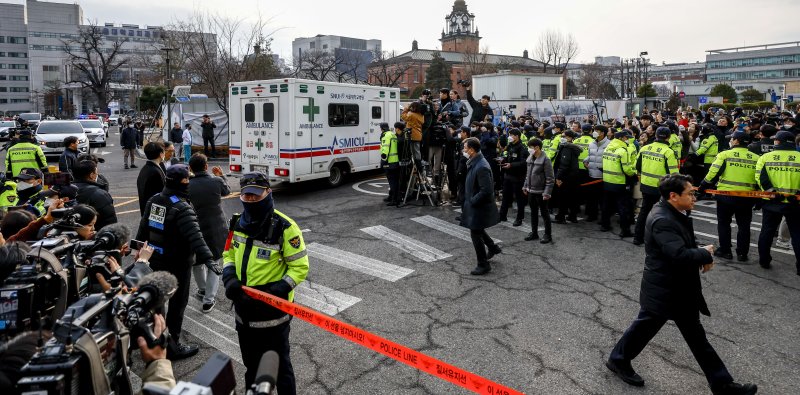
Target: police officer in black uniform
{"type": "Point", "coordinates": [170, 226]}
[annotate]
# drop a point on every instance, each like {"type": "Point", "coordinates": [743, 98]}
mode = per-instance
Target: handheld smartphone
{"type": "Point", "coordinates": [136, 244]}
{"type": "Point", "coordinates": [60, 179]}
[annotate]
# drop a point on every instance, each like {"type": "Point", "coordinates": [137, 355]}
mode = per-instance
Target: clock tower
{"type": "Point", "coordinates": [460, 33]}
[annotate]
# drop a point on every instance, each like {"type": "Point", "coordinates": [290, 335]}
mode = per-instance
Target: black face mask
{"type": "Point", "coordinates": [255, 213]}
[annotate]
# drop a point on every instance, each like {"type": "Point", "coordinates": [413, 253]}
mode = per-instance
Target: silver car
{"type": "Point", "coordinates": [4, 126]}
{"type": "Point", "coordinates": [51, 134]}
{"type": "Point", "coordinates": [94, 131]}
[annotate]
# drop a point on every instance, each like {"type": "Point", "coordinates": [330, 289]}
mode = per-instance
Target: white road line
{"type": "Point", "coordinates": [446, 227]}
{"type": "Point", "coordinates": [525, 227]}
{"type": "Point", "coordinates": [230, 346]}
{"type": "Point", "coordinates": [373, 267]}
{"type": "Point", "coordinates": [406, 244]}
{"type": "Point", "coordinates": [733, 242]}
{"type": "Point", "coordinates": [323, 299]}
{"type": "Point", "coordinates": [712, 218]}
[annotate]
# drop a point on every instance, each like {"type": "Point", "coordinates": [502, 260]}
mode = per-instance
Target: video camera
{"type": "Point", "coordinates": [88, 353]}
{"type": "Point", "coordinates": [464, 83]}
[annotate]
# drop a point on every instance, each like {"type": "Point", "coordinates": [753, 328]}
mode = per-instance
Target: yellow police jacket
{"type": "Point", "coordinates": [8, 197]}
{"type": "Point", "coordinates": [779, 171]}
{"type": "Point", "coordinates": [389, 147]}
{"type": "Point", "coordinates": [24, 155]}
{"type": "Point", "coordinates": [655, 161]}
{"type": "Point", "coordinates": [616, 163]}
{"type": "Point", "coordinates": [736, 169]}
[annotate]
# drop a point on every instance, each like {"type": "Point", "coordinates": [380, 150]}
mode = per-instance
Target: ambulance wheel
{"type": "Point", "coordinates": [336, 177]}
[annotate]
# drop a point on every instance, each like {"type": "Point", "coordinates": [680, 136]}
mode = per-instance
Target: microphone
{"type": "Point", "coordinates": [267, 373]}
{"type": "Point", "coordinates": [154, 290]}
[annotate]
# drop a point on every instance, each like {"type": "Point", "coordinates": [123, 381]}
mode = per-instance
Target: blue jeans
{"type": "Point", "coordinates": [187, 153]}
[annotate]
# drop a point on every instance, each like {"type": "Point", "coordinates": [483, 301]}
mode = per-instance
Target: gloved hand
{"type": "Point", "coordinates": [280, 289]}
{"type": "Point", "coordinates": [214, 267]}
{"type": "Point", "coordinates": [233, 290]}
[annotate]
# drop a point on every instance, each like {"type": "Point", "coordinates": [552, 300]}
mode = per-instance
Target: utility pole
{"type": "Point", "coordinates": [527, 88]}
{"type": "Point", "coordinates": [169, 88]}
{"type": "Point", "coordinates": [644, 62]}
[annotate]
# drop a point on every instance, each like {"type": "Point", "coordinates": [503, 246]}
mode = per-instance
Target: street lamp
{"type": "Point", "coordinates": [644, 62]}
{"type": "Point", "coordinates": [138, 95]}
{"type": "Point", "coordinates": [169, 88]}
{"type": "Point", "coordinates": [527, 89]}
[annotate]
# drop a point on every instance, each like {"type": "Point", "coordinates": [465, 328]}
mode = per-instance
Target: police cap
{"type": "Point", "coordinates": [662, 132]}
{"type": "Point", "coordinates": [586, 127]}
{"type": "Point", "coordinates": [741, 136]}
{"type": "Point", "coordinates": [784, 136]}
{"type": "Point", "coordinates": [30, 173]}
{"type": "Point", "coordinates": [177, 172]}
{"type": "Point", "coordinates": [255, 183]}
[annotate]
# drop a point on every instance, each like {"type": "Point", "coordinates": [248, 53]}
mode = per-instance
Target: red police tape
{"type": "Point", "coordinates": [591, 183]}
{"type": "Point", "coordinates": [749, 194]}
{"type": "Point", "coordinates": [410, 357]}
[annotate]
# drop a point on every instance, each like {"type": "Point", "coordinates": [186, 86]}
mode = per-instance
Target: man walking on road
{"type": "Point", "coordinates": [479, 210]}
{"type": "Point", "coordinates": [128, 139]}
{"type": "Point", "coordinates": [671, 290]}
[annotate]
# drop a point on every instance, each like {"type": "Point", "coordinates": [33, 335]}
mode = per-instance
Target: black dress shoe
{"type": "Point", "coordinates": [625, 233]}
{"type": "Point", "coordinates": [736, 389]}
{"type": "Point", "coordinates": [181, 351]}
{"type": "Point", "coordinates": [517, 223]}
{"type": "Point", "coordinates": [626, 373]}
{"type": "Point", "coordinates": [391, 203]}
{"type": "Point", "coordinates": [546, 239]}
{"type": "Point", "coordinates": [637, 242]}
{"type": "Point", "coordinates": [387, 199]}
{"type": "Point", "coordinates": [494, 251]}
{"type": "Point", "coordinates": [503, 219]}
{"type": "Point", "coordinates": [742, 257]}
{"type": "Point", "coordinates": [605, 228]}
{"type": "Point", "coordinates": [480, 270]}
{"type": "Point", "coordinates": [532, 236]}
{"type": "Point", "coordinates": [574, 220]}
{"type": "Point", "coordinates": [725, 255]}
{"type": "Point", "coordinates": [765, 265]}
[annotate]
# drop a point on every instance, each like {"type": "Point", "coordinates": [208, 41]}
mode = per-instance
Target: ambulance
{"type": "Point", "coordinates": [298, 130]}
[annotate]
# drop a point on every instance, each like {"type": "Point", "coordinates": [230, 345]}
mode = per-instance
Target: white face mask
{"type": "Point", "coordinates": [48, 202]}
{"type": "Point", "coordinates": [563, 140]}
{"type": "Point", "coordinates": [531, 151]}
{"type": "Point", "coordinates": [595, 134]}
{"type": "Point", "coordinates": [22, 185]}
{"type": "Point", "coordinates": [466, 155]}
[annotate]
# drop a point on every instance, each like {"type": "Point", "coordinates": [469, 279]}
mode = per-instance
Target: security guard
{"type": "Point", "coordinates": [655, 160]}
{"type": "Point", "coordinates": [617, 167]}
{"type": "Point", "coordinates": [170, 226]}
{"type": "Point", "coordinates": [265, 250]}
{"type": "Point", "coordinates": [390, 161]}
{"type": "Point", "coordinates": [8, 193]}
{"type": "Point", "coordinates": [779, 171]}
{"type": "Point", "coordinates": [29, 188]}
{"type": "Point", "coordinates": [25, 153]}
{"type": "Point", "coordinates": [709, 145]}
{"type": "Point", "coordinates": [733, 170]}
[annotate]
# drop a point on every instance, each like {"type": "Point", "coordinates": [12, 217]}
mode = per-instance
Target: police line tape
{"type": "Point", "coordinates": [415, 359]}
{"type": "Point", "coordinates": [591, 183]}
{"type": "Point", "coordinates": [750, 194]}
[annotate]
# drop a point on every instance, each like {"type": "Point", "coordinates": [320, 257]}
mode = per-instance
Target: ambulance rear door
{"type": "Point", "coordinates": [260, 134]}
{"type": "Point", "coordinates": [377, 114]}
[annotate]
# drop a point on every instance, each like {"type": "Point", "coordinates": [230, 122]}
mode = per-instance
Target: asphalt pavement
{"type": "Point", "coordinates": [543, 321]}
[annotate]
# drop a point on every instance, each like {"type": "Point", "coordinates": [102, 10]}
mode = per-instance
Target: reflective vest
{"type": "Point", "coordinates": [24, 155]}
{"type": "Point", "coordinates": [583, 142]}
{"type": "Point", "coordinates": [782, 167]}
{"type": "Point", "coordinates": [280, 255]}
{"type": "Point", "coordinates": [616, 163]}
{"type": "Point", "coordinates": [8, 197]}
{"type": "Point", "coordinates": [709, 148]}
{"type": "Point", "coordinates": [389, 147]}
{"type": "Point", "coordinates": [736, 169]}
{"type": "Point", "coordinates": [676, 144]}
{"type": "Point", "coordinates": [552, 147]}
{"type": "Point", "coordinates": [524, 139]}
{"type": "Point", "coordinates": [657, 160]}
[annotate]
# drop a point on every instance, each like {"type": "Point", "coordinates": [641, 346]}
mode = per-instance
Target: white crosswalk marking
{"type": "Point", "coordinates": [416, 248]}
{"type": "Point", "coordinates": [525, 227]}
{"type": "Point", "coordinates": [446, 227]}
{"type": "Point", "coordinates": [733, 242]}
{"type": "Point", "coordinates": [323, 299]}
{"type": "Point", "coordinates": [712, 218]}
{"type": "Point", "coordinates": [373, 267]}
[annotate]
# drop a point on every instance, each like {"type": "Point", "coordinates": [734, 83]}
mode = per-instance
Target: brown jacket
{"type": "Point", "coordinates": [414, 122]}
{"type": "Point", "coordinates": [159, 372]}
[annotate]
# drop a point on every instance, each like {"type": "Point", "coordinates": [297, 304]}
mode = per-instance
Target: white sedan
{"type": "Point", "coordinates": [50, 136]}
{"type": "Point", "coordinates": [94, 131]}
{"type": "Point", "coordinates": [4, 126]}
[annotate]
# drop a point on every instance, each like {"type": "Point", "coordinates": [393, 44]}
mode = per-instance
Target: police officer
{"type": "Point", "coordinates": [25, 153]}
{"type": "Point", "coordinates": [654, 162]}
{"type": "Point", "coordinates": [169, 224]}
{"type": "Point", "coordinates": [8, 193]}
{"type": "Point", "coordinates": [709, 145]}
{"type": "Point", "coordinates": [29, 190]}
{"type": "Point", "coordinates": [583, 142]}
{"type": "Point", "coordinates": [617, 167]}
{"type": "Point", "coordinates": [265, 250]}
{"type": "Point", "coordinates": [514, 166]}
{"type": "Point", "coordinates": [777, 171]}
{"type": "Point", "coordinates": [390, 161]}
{"type": "Point", "coordinates": [733, 170]}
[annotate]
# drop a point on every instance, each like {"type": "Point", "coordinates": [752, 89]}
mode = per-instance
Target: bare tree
{"type": "Point", "coordinates": [385, 70]}
{"type": "Point", "coordinates": [477, 62]}
{"type": "Point", "coordinates": [316, 65]}
{"type": "Point", "coordinates": [597, 82]}
{"type": "Point", "coordinates": [94, 61]}
{"type": "Point", "coordinates": [555, 49]}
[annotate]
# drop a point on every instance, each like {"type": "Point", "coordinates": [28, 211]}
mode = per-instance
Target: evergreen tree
{"type": "Point", "coordinates": [438, 74]}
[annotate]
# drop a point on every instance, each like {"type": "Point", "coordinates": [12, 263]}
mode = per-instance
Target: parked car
{"type": "Point", "coordinates": [94, 131]}
{"type": "Point", "coordinates": [4, 126]}
{"type": "Point", "coordinates": [50, 136]}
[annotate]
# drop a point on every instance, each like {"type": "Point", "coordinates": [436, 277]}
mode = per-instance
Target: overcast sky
{"type": "Point", "coordinates": [669, 31]}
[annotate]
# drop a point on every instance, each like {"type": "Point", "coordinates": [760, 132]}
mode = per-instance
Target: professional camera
{"type": "Point", "coordinates": [465, 83]}
{"type": "Point", "coordinates": [34, 295]}
{"type": "Point", "coordinates": [88, 353]}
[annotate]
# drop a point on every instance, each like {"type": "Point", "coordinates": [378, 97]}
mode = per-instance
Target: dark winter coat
{"type": "Point", "coordinates": [208, 129]}
{"type": "Point", "coordinates": [479, 210]}
{"type": "Point", "coordinates": [150, 182]}
{"type": "Point", "coordinates": [93, 194]}
{"type": "Point", "coordinates": [516, 155]}
{"type": "Point", "coordinates": [128, 138]}
{"type": "Point", "coordinates": [205, 193]}
{"type": "Point", "coordinates": [566, 162]}
{"type": "Point", "coordinates": [479, 112]}
{"type": "Point", "coordinates": [67, 160]}
{"type": "Point", "coordinates": [176, 135]}
{"type": "Point", "coordinates": [489, 144]}
{"type": "Point", "coordinates": [671, 281]}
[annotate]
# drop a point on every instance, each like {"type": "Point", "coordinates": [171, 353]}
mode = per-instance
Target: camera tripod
{"type": "Point", "coordinates": [417, 177]}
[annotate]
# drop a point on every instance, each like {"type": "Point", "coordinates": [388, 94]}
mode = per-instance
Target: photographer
{"type": "Point", "coordinates": [481, 112]}
{"type": "Point", "coordinates": [30, 232]}
{"type": "Point", "coordinates": [413, 117]}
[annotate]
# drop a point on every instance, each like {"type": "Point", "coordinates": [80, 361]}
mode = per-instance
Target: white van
{"type": "Point", "coordinates": [297, 130]}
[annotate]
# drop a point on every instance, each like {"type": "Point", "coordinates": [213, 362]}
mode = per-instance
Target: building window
{"type": "Point", "coordinates": [17, 55]}
{"type": "Point", "coordinates": [3, 101]}
{"type": "Point", "coordinates": [105, 31]}
{"type": "Point", "coordinates": [113, 32]}
{"type": "Point", "coordinates": [269, 112]}
{"type": "Point", "coordinates": [312, 45]}
{"type": "Point", "coordinates": [3, 89]}
{"type": "Point", "coordinates": [549, 90]}
{"type": "Point", "coordinates": [20, 101]}
{"type": "Point", "coordinates": [3, 78]}
{"type": "Point", "coordinates": [377, 112]}
{"type": "Point", "coordinates": [250, 112]}
{"type": "Point", "coordinates": [18, 66]}
{"type": "Point", "coordinates": [15, 77]}
{"type": "Point", "coordinates": [17, 40]}
{"type": "Point", "coordinates": [324, 46]}
{"type": "Point", "coordinates": [18, 89]}
{"type": "Point", "coordinates": [342, 115]}
{"type": "Point", "coordinates": [2, 39]}
{"type": "Point", "coordinates": [147, 33]}
{"type": "Point", "coordinates": [130, 32]}
{"type": "Point", "coordinates": [139, 33]}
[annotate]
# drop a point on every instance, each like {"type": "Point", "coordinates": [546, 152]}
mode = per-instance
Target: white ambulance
{"type": "Point", "coordinates": [297, 130]}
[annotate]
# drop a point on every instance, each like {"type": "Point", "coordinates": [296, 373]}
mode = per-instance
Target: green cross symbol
{"type": "Point", "coordinates": [259, 144]}
{"type": "Point", "coordinates": [311, 109]}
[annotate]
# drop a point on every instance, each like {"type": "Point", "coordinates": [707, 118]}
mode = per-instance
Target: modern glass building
{"type": "Point", "coordinates": [776, 62]}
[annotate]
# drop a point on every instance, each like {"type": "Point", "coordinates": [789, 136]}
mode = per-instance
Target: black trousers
{"type": "Point", "coordinates": [741, 208]}
{"type": "Point", "coordinates": [617, 201]}
{"type": "Point", "coordinates": [393, 176]}
{"type": "Point", "coordinates": [481, 240]}
{"type": "Point", "coordinates": [452, 181]}
{"type": "Point", "coordinates": [176, 306]}
{"type": "Point", "coordinates": [254, 342]}
{"type": "Point", "coordinates": [512, 191]}
{"type": "Point", "coordinates": [206, 142]}
{"type": "Point", "coordinates": [498, 180]}
{"type": "Point", "coordinates": [568, 200]}
{"type": "Point", "coordinates": [648, 201]}
{"type": "Point", "coordinates": [771, 220]}
{"type": "Point", "coordinates": [647, 325]}
{"type": "Point", "coordinates": [539, 207]}
{"type": "Point", "coordinates": [594, 199]}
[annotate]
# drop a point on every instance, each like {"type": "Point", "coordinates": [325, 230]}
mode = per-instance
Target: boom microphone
{"type": "Point", "coordinates": [267, 373]}
{"type": "Point", "coordinates": [155, 289]}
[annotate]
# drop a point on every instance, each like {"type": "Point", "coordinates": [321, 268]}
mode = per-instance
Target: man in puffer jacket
{"type": "Point", "coordinates": [594, 164]}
